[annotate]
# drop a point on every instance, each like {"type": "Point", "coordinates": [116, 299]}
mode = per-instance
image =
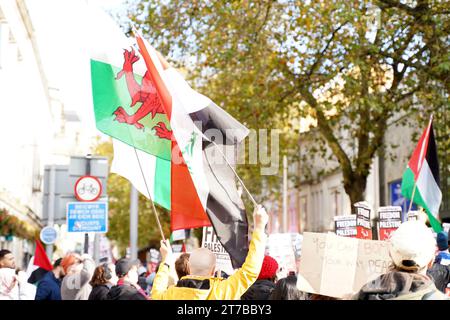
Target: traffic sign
{"type": "Point", "coordinates": [88, 188]}
{"type": "Point", "coordinates": [48, 235]}
{"type": "Point", "coordinates": [87, 217]}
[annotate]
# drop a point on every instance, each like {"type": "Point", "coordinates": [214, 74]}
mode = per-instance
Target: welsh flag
{"type": "Point", "coordinates": [158, 124]}
{"type": "Point", "coordinates": [423, 174]}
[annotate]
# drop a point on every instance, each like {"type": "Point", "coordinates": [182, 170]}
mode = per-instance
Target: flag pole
{"type": "Point", "coordinates": [420, 159]}
{"type": "Point", "coordinates": [412, 198]}
{"type": "Point", "coordinates": [150, 197]}
{"type": "Point", "coordinates": [235, 173]}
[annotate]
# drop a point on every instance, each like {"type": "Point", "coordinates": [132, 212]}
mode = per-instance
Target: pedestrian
{"type": "Point", "coordinates": [200, 283]}
{"type": "Point", "coordinates": [412, 247]}
{"type": "Point", "coordinates": [49, 287]}
{"type": "Point", "coordinates": [264, 285]}
{"type": "Point", "coordinates": [102, 281]}
{"type": "Point", "coordinates": [7, 259]}
{"type": "Point", "coordinates": [182, 265]}
{"type": "Point", "coordinates": [440, 271]}
{"type": "Point", "coordinates": [15, 286]}
{"type": "Point", "coordinates": [142, 281]}
{"type": "Point", "coordinates": [443, 256]}
{"type": "Point", "coordinates": [79, 271]}
{"type": "Point", "coordinates": [127, 287]}
{"type": "Point", "coordinates": [286, 289]}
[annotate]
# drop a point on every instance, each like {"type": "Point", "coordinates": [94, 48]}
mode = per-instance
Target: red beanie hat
{"type": "Point", "coordinates": [269, 268]}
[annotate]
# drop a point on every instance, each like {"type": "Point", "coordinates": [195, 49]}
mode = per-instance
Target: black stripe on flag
{"type": "Point", "coordinates": [224, 206]}
{"type": "Point", "coordinates": [432, 157]}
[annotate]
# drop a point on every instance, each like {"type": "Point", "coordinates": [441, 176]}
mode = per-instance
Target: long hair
{"type": "Point", "coordinates": [286, 289]}
{"type": "Point", "coordinates": [100, 276]}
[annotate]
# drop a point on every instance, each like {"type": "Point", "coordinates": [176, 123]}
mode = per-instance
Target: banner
{"type": "Point", "coordinates": [280, 246]}
{"type": "Point", "coordinates": [363, 226]}
{"type": "Point", "coordinates": [211, 242]}
{"type": "Point", "coordinates": [390, 219]}
{"type": "Point", "coordinates": [345, 226]}
{"type": "Point", "coordinates": [339, 266]}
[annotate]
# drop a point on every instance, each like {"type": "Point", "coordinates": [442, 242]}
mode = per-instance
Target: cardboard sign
{"type": "Point", "coordinates": [363, 227]}
{"type": "Point", "coordinates": [339, 266]}
{"type": "Point", "coordinates": [345, 226]}
{"type": "Point", "coordinates": [281, 247]}
{"type": "Point", "coordinates": [211, 242]}
{"type": "Point", "coordinates": [390, 219]}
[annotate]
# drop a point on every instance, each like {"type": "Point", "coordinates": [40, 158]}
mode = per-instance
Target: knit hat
{"type": "Point", "coordinates": [269, 268]}
{"type": "Point", "coordinates": [442, 241]}
{"type": "Point", "coordinates": [412, 246]}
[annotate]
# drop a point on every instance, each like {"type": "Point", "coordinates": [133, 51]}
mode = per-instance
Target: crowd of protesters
{"type": "Point", "coordinates": [419, 271]}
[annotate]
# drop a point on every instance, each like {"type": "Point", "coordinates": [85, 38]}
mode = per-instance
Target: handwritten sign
{"type": "Point", "coordinates": [339, 266]}
{"type": "Point", "coordinates": [345, 226]}
{"type": "Point", "coordinates": [211, 242]}
{"type": "Point", "coordinates": [363, 213]}
{"type": "Point", "coordinates": [390, 219]}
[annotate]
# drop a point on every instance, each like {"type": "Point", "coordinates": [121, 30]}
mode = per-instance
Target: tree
{"type": "Point", "coordinates": [119, 210]}
{"type": "Point", "coordinates": [350, 65]}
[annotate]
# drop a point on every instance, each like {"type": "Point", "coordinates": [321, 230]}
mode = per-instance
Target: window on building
{"type": "Point", "coordinates": [442, 131]}
{"type": "Point", "coordinates": [304, 213]}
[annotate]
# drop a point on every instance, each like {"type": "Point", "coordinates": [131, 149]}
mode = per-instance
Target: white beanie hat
{"type": "Point", "coordinates": [412, 246]}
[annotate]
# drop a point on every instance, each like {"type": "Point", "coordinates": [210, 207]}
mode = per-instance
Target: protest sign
{"type": "Point", "coordinates": [153, 257]}
{"type": "Point", "coordinates": [345, 226]}
{"type": "Point", "coordinates": [413, 215]}
{"type": "Point", "coordinates": [339, 266]}
{"type": "Point", "coordinates": [390, 219]}
{"type": "Point", "coordinates": [281, 247]}
{"type": "Point", "coordinates": [211, 242]}
{"type": "Point", "coordinates": [363, 213]}
{"type": "Point", "coordinates": [446, 227]}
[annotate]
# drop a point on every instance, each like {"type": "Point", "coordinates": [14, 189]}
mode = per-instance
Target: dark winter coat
{"type": "Point", "coordinates": [99, 292]}
{"type": "Point", "coordinates": [124, 292]}
{"type": "Point", "coordinates": [49, 288]}
{"type": "Point", "coordinates": [440, 275]}
{"type": "Point", "coordinates": [397, 285]}
{"type": "Point", "coordinates": [260, 290]}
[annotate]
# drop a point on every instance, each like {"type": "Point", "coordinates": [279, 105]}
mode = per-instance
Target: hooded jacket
{"type": "Point", "coordinates": [49, 288]}
{"type": "Point", "coordinates": [398, 285]}
{"type": "Point", "coordinates": [76, 286]}
{"type": "Point", "coordinates": [440, 275]}
{"type": "Point", "coordinates": [209, 288]}
{"type": "Point", "coordinates": [124, 292]}
{"type": "Point", "coordinates": [99, 292]}
{"type": "Point", "coordinates": [15, 290]}
{"type": "Point", "coordinates": [260, 290]}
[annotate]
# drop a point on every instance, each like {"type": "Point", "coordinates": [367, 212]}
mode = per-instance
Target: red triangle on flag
{"type": "Point", "coordinates": [40, 257]}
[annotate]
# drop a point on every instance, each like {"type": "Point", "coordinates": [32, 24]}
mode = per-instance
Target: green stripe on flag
{"type": "Point", "coordinates": [407, 190]}
{"type": "Point", "coordinates": [162, 183]}
{"type": "Point", "coordinates": [109, 94]}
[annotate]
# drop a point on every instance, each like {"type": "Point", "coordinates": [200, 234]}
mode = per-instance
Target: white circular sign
{"type": "Point", "coordinates": [88, 188]}
{"type": "Point", "coordinates": [48, 235]}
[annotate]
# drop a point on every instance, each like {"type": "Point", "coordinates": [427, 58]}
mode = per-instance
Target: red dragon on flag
{"type": "Point", "coordinates": [144, 93]}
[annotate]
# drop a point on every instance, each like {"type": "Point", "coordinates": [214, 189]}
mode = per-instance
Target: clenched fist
{"type": "Point", "coordinates": [260, 217]}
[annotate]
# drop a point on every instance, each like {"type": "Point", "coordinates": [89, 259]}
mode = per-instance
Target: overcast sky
{"type": "Point", "coordinates": [61, 31]}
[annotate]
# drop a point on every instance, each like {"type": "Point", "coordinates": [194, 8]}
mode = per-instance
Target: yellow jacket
{"type": "Point", "coordinates": [209, 288]}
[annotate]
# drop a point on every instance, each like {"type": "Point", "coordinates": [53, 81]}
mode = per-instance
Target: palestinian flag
{"type": "Point", "coordinates": [39, 264]}
{"type": "Point", "coordinates": [423, 171]}
{"type": "Point", "coordinates": [150, 111]}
